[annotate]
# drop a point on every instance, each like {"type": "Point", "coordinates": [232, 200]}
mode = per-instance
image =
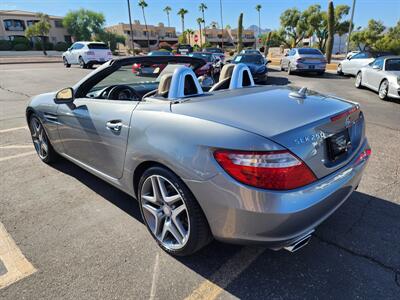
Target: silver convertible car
{"type": "Point", "coordinates": [235, 161]}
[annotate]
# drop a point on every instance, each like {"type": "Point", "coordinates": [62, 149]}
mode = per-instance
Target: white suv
{"type": "Point", "coordinates": [86, 54]}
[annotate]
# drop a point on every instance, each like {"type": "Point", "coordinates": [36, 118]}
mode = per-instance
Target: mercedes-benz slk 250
{"type": "Point", "coordinates": [235, 161]}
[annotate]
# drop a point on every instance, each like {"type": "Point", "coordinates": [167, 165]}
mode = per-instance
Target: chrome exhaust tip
{"type": "Point", "coordinates": [299, 243]}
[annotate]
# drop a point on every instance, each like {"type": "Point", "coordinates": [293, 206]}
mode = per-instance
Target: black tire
{"type": "Point", "coordinates": [358, 81]}
{"type": "Point", "coordinates": [51, 155]}
{"type": "Point", "coordinates": [321, 73]}
{"type": "Point", "coordinates": [339, 70]}
{"type": "Point", "coordinates": [66, 64]}
{"type": "Point", "coordinates": [82, 63]}
{"type": "Point", "coordinates": [199, 234]}
{"type": "Point", "coordinates": [383, 95]}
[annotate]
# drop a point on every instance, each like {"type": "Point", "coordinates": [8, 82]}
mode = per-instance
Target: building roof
{"type": "Point", "coordinates": [24, 13]}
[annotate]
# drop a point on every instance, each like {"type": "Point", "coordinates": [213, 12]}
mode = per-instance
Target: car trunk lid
{"type": "Point", "coordinates": [306, 126]}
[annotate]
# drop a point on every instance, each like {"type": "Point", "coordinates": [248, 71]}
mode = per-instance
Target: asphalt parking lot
{"type": "Point", "coordinates": [84, 239]}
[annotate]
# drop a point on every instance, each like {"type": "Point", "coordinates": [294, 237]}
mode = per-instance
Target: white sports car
{"type": "Point", "coordinates": [381, 75]}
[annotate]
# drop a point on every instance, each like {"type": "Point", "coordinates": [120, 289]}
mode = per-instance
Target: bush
{"type": "Point", "coordinates": [5, 45]}
{"type": "Point", "coordinates": [231, 53]}
{"type": "Point", "coordinates": [165, 46]}
{"type": "Point", "coordinates": [47, 45]}
{"type": "Point", "coordinates": [174, 51]}
{"type": "Point", "coordinates": [21, 47]}
{"type": "Point", "coordinates": [61, 46]}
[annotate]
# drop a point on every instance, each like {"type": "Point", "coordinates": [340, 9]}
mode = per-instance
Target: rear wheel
{"type": "Point", "coordinates": [82, 63]}
{"type": "Point", "coordinates": [66, 64]}
{"type": "Point", "coordinates": [383, 90]}
{"type": "Point", "coordinates": [171, 213]}
{"type": "Point", "coordinates": [358, 82]}
{"type": "Point", "coordinates": [41, 142]}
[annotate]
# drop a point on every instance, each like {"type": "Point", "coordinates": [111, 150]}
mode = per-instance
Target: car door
{"type": "Point", "coordinates": [358, 61]}
{"type": "Point", "coordinates": [75, 53]}
{"type": "Point", "coordinates": [94, 131]}
{"type": "Point", "coordinates": [375, 73]}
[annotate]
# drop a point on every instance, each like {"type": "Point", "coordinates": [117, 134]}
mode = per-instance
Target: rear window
{"type": "Point", "coordinates": [393, 64]}
{"type": "Point", "coordinates": [309, 51]}
{"type": "Point", "coordinates": [214, 50]}
{"type": "Point", "coordinates": [97, 46]}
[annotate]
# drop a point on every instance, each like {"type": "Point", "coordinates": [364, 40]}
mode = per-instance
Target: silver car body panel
{"type": "Point", "coordinates": [183, 135]}
{"type": "Point", "coordinates": [311, 62]}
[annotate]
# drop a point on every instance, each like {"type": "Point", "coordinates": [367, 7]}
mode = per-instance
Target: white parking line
{"type": "Point", "coordinates": [15, 263]}
{"type": "Point", "coordinates": [213, 287]}
{"type": "Point", "coordinates": [155, 277]}
{"type": "Point", "coordinates": [12, 129]}
{"type": "Point", "coordinates": [17, 155]}
{"type": "Point", "coordinates": [16, 147]}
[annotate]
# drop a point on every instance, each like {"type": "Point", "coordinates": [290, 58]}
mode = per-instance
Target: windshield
{"type": "Point", "coordinates": [393, 64]}
{"type": "Point", "coordinates": [206, 56]}
{"type": "Point", "coordinates": [160, 53]}
{"type": "Point", "coordinates": [255, 59]}
{"type": "Point", "coordinates": [97, 46]}
{"type": "Point", "coordinates": [309, 51]}
{"type": "Point", "coordinates": [214, 50]}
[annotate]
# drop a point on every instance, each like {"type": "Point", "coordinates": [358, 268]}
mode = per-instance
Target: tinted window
{"type": "Point", "coordinates": [78, 46]}
{"type": "Point", "coordinates": [255, 59]}
{"type": "Point", "coordinates": [378, 62]}
{"type": "Point", "coordinates": [393, 64]}
{"type": "Point", "coordinates": [309, 51]}
{"type": "Point", "coordinates": [97, 46]}
{"type": "Point", "coordinates": [162, 53]}
{"type": "Point", "coordinates": [214, 50]}
{"type": "Point", "coordinates": [361, 55]}
{"type": "Point", "coordinates": [206, 56]}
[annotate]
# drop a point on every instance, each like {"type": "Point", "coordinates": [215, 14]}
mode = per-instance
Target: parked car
{"type": "Point", "coordinates": [233, 164]}
{"type": "Point", "coordinates": [256, 64]}
{"type": "Point", "coordinates": [351, 53]}
{"type": "Point", "coordinates": [213, 64]}
{"type": "Point", "coordinates": [160, 53]}
{"type": "Point", "coordinates": [184, 49]}
{"type": "Point", "coordinates": [382, 75]}
{"type": "Point", "coordinates": [86, 54]}
{"type": "Point", "coordinates": [304, 60]}
{"type": "Point", "coordinates": [250, 51]}
{"type": "Point", "coordinates": [217, 52]}
{"type": "Point", "coordinates": [351, 65]}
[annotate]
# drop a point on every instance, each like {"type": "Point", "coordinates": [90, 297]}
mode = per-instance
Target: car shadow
{"type": "Point", "coordinates": [326, 75]}
{"type": "Point", "coordinates": [353, 254]}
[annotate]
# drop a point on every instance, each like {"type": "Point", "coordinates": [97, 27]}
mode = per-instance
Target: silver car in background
{"type": "Point", "coordinates": [238, 162]}
{"type": "Point", "coordinates": [352, 64]}
{"type": "Point", "coordinates": [304, 60]}
{"type": "Point", "coordinates": [382, 75]}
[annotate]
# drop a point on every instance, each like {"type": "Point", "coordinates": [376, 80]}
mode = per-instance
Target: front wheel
{"type": "Point", "coordinates": [171, 213]}
{"type": "Point", "coordinates": [339, 70]}
{"type": "Point", "coordinates": [358, 82]}
{"type": "Point", "coordinates": [41, 141]}
{"type": "Point", "coordinates": [383, 90]}
{"type": "Point", "coordinates": [66, 64]}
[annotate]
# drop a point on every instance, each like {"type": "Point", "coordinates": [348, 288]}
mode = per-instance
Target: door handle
{"type": "Point", "coordinates": [115, 125]}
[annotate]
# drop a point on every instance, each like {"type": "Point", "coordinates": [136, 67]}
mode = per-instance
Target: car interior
{"type": "Point", "coordinates": [165, 81]}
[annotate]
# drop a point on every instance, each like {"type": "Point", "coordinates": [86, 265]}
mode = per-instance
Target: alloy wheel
{"type": "Point", "coordinates": [358, 80]}
{"type": "Point", "coordinates": [165, 212]}
{"type": "Point", "coordinates": [39, 138]}
{"type": "Point", "coordinates": [383, 89]}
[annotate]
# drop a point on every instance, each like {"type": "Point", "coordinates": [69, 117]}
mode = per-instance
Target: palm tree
{"type": "Point", "coordinates": [202, 8]}
{"type": "Point", "coordinates": [258, 9]}
{"type": "Point", "coordinates": [167, 10]}
{"type": "Point", "coordinates": [182, 12]}
{"type": "Point", "coordinates": [189, 33]}
{"type": "Point", "coordinates": [40, 29]}
{"type": "Point", "coordinates": [143, 4]}
{"type": "Point", "coordinates": [199, 21]}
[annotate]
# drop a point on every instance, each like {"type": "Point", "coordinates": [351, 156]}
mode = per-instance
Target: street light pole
{"type": "Point", "coordinates": [131, 28]}
{"type": "Point", "coordinates": [350, 26]}
{"type": "Point", "coordinates": [222, 26]}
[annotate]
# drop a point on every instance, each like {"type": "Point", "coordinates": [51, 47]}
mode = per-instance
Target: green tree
{"type": "Point", "coordinates": [240, 33]}
{"type": "Point", "coordinates": [369, 37]}
{"type": "Point", "coordinates": [111, 39]}
{"type": "Point", "coordinates": [182, 12]}
{"type": "Point", "coordinates": [40, 29]}
{"type": "Point", "coordinates": [331, 31]}
{"type": "Point", "coordinates": [390, 41]}
{"type": "Point", "coordinates": [276, 39]}
{"type": "Point", "coordinates": [143, 5]}
{"type": "Point", "coordinates": [199, 21]}
{"type": "Point", "coordinates": [258, 9]}
{"type": "Point", "coordinates": [82, 24]}
{"type": "Point", "coordinates": [202, 8]}
{"type": "Point", "coordinates": [167, 10]}
{"type": "Point", "coordinates": [189, 33]}
{"type": "Point", "coordinates": [294, 24]}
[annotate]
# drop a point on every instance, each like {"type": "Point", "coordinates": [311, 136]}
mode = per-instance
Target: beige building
{"type": "Point", "coordinates": [14, 22]}
{"type": "Point", "coordinates": [214, 37]}
{"type": "Point", "coordinates": [156, 33]}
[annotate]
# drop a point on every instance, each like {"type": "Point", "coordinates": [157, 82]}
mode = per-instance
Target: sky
{"type": "Point", "coordinates": [116, 11]}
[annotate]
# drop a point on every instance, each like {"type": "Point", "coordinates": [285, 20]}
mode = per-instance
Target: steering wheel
{"type": "Point", "coordinates": [123, 92]}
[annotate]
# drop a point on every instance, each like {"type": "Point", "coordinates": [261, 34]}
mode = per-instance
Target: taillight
{"type": "Point", "coordinates": [345, 113]}
{"type": "Point", "coordinates": [275, 170]}
{"type": "Point", "coordinates": [363, 156]}
{"type": "Point", "coordinates": [89, 52]}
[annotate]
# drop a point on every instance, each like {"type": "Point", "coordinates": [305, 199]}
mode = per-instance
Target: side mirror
{"type": "Point", "coordinates": [268, 62]}
{"type": "Point", "coordinates": [376, 67]}
{"type": "Point", "coordinates": [286, 54]}
{"type": "Point", "coordinates": [64, 96]}
{"type": "Point", "coordinates": [69, 49]}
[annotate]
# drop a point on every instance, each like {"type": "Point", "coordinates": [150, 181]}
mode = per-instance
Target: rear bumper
{"type": "Point", "coordinates": [309, 67]}
{"type": "Point", "coordinates": [241, 214]}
